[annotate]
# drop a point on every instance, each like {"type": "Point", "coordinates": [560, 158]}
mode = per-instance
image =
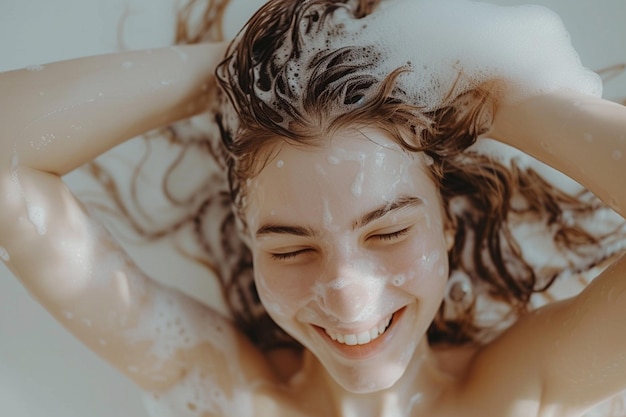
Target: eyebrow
{"type": "Point", "coordinates": [377, 213]}
{"type": "Point", "coordinates": [370, 216]}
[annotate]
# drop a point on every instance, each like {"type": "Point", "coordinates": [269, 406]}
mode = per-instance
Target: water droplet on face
{"type": "Point", "coordinates": [14, 162]}
{"type": "Point", "coordinates": [280, 164]}
{"type": "Point", "coordinates": [380, 159]}
{"type": "Point", "coordinates": [357, 185]}
{"type": "Point", "coordinates": [617, 155]}
{"type": "Point", "coordinates": [398, 280]}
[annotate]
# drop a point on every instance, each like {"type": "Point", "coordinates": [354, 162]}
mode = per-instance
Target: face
{"type": "Point", "coordinates": [350, 253]}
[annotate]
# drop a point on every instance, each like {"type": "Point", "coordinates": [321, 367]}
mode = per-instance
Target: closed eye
{"type": "Point", "coordinates": [392, 236]}
{"type": "Point", "coordinates": [288, 255]}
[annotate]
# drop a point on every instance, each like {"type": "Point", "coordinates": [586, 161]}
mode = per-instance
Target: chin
{"type": "Point", "coordinates": [366, 380]}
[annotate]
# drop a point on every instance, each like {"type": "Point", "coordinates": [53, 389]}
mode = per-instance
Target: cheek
{"type": "Point", "coordinates": [421, 266]}
{"type": "Point", "coordinates": [280, 292]}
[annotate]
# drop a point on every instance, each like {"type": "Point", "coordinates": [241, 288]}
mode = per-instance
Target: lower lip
{"type": "Point", "coordinates": [360, 352]}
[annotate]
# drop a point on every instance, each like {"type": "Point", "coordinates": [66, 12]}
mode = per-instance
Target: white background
{"type": "Point", "coordinates": [43, 370]}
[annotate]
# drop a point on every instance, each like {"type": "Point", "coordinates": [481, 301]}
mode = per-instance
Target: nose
{"type": "Point", "coordinates": [351, 292]}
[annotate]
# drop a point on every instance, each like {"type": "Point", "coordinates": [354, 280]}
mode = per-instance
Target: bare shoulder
{"type": "Point", "coordinates": [504, 377]}
{"type": "Point", "coordinates": [561, 359]}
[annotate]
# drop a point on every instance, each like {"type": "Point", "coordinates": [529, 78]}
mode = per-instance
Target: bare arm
{"type": "Point", "coordinates": [57, 119]}
{"type": "Point", "coordinates": [583, 339]}
{"type": "Point", "coordinates": [65, 114]}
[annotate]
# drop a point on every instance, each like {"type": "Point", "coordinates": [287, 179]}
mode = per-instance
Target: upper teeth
{"type": "Point", "coordinates": [361, 338]}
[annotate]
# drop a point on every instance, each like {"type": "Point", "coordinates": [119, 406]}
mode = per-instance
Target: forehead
{"type": "Point", "coordinates": [354, 171]}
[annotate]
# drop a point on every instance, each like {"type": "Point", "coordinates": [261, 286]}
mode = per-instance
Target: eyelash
{"type": "Point", "coordinates": [392, 236]}
{"type": "Point", "coordinates": [384, 237]}
{"type": "Point", "coordinates": [288, 255]}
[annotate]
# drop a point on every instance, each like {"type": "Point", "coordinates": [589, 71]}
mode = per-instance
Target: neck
{"type": "Point", "coordinates": [421, 384]}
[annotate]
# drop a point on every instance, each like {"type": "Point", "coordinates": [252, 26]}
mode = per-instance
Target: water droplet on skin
{"type": "Point", "coordinates": [181, 54]}
{"type": "Point", "coordinates": [43, 142]}
{"type": "Point", "coordinates": [617, 155]}
{"type": "Point", "coordinates": [4, 254]}
{"type": "Point", "coordinates": [546, 147]}
{"type": "Point", "coordinates": [68, 315]}
{"type": "Point", "coordinates": [14, 162]}
{"type": "Point", "coordinates": [280, 163]}
{"type": "Point", "coordinates": [37, 216]}
{"type": "Point", "coordinates": [380, 159]}
{"type": "Point", "coordinates": [357, 185]}
{"type": "Point", "coordinates": [398, 280]}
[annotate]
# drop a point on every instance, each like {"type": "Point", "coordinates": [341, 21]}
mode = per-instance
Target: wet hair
{"type": "Point", "coordinates": [282, 86]}
{"type": "Point", "coordinates": [275, 88]}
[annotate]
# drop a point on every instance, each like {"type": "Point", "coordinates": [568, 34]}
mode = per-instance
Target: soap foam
{"type": "Point", "coordinates": [526, 45]}
{"type": "Point", "coordinates": [448, 47]}
{"type": "Point", "coordinates": [4, 254]}
{"type": "Point", "coordinates": [199, 396]}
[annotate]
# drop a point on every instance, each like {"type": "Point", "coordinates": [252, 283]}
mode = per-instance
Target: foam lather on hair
{"type": "Point", "coordinates": [449, 46]}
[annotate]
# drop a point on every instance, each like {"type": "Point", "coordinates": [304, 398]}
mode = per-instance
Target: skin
{"type": "Point", "coordinates": [81, 270]}
{"type": "Point", "coordinates": [321, 263]}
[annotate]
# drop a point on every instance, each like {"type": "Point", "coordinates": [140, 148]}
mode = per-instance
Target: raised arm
{"type": "Point", "coordinates": [58, 118]}
{"type": "Point", "coordinates": [582, 136]}
{"type": "Point", "coordinates": [583, 339]}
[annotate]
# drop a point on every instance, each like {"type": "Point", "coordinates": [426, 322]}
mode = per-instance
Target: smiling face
{"type": "Point", "coordinates": [350, 253]}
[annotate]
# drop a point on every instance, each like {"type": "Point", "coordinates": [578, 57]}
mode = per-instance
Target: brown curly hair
{"type": "Point", "coordinates": [260, 102]}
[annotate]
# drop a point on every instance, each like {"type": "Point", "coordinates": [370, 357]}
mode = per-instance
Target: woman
{"type": "Point", "coordinates": [348, 222]}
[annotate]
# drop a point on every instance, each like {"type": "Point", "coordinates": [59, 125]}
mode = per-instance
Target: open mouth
{"type": "Point", "coordinates": [362, 338]}
{"type": "Point", "coordinates": [366, 343]}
